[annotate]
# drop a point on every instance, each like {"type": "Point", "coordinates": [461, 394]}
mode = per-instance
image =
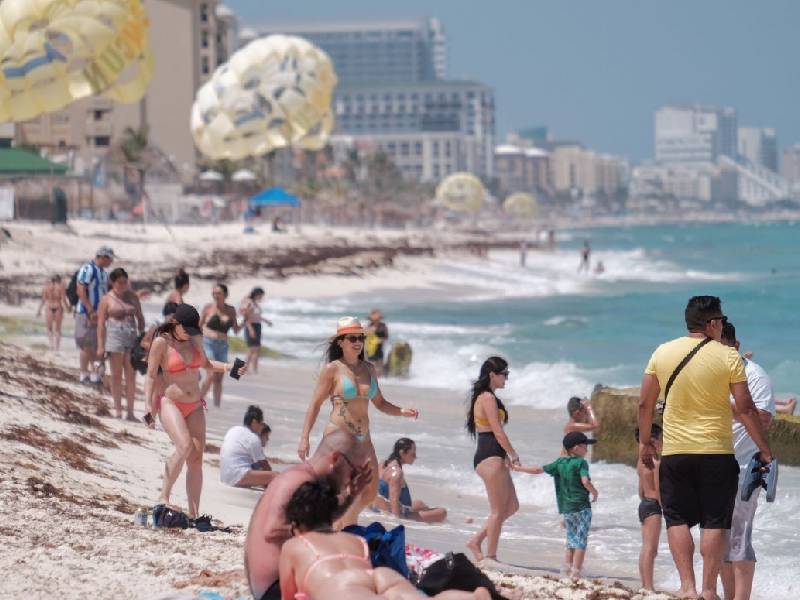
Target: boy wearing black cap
{"type": "Point", "coordinates": [573, 485]}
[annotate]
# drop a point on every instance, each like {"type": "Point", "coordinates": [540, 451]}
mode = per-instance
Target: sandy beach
{"type": "Point", "coordinates": [72, 476]}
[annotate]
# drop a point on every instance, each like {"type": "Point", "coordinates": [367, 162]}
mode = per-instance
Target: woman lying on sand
{"type": "Point", "coordinates": [393, 493]}
{"type": "Point", "coordinates": [322, 564]}
{"type": "Point", "coordinates": [350, 383]}
{"type": "Point", "coordinates": [178, 350]}
{"type": "Point", "coordinates": [54, 296]}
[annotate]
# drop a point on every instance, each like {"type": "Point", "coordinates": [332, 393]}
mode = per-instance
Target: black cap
{"type": "Point", "coordinates": [186, 315]}
{"type": "Point", "coordinates": [573, 438]}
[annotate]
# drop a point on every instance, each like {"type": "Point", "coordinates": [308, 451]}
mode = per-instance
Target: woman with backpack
{"type": "Point", "coordinates": [119, 323]}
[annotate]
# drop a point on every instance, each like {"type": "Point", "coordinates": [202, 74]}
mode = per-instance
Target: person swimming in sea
{"type": "Point", "coordinates": [350, 382]}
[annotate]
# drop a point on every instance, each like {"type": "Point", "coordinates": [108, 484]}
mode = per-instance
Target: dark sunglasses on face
{"type": "Point", "coordinates": [354, 339]}
{"type": "Point", "coordinates": [722, 319]}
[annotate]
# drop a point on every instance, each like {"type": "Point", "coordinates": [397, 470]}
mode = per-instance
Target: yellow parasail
{"type": "Point", "coordinates": [521, 205]}
{"type": "Point", "coordinates": [53, 52]}
{"type": "Point", "coordinates": [274, 92]}
{"type": "Point", "coordinates": [461, 192]}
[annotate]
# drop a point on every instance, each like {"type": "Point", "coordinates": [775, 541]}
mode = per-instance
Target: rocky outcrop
{"type": "Point", "coordinates": [618, 410]}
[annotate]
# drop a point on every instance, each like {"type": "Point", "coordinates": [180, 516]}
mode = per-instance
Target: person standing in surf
{"type": "Point", "coordinates": [486, 418]}
{"type": "Point", "coordinates": [350, 382]}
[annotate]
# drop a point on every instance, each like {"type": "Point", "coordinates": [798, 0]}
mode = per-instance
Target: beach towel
{"type": "Point", "coordinates": [386, 548]}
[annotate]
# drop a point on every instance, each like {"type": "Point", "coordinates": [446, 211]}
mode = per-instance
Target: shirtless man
{"type": "Point", "coordinates": [337, 455]}
{"type": "Point", "coordinates": [54, 295]}
{"type": "Point", "coordinates": [581, 416]}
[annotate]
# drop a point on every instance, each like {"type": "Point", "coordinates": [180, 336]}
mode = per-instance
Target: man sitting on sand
{"type": "Point", "coordinates": [337, 455]}
{"type": "Point", "coordinates": [241, 459]}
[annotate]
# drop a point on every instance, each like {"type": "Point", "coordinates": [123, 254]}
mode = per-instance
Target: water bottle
{"type": "Point", "coordinates": [140, 517]}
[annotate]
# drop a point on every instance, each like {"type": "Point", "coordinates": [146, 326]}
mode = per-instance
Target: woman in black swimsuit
{"type": "Point", "coordinates": [216, 320]}
{"type": "Point", "coordinates": [486, 417]}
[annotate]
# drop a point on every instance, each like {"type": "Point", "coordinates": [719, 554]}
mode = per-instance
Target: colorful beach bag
{"type": "Point", "coordinates": [386, 548]}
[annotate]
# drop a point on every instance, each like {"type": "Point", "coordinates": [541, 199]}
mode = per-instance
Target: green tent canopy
{"type": "Point", "coordinates": [14, 161]}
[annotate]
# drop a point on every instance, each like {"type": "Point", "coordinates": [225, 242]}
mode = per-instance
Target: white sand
{"type": "Point", "coordinates": [70, 531]}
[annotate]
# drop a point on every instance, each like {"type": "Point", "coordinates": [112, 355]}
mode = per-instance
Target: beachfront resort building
{"type": "Point", "coordinates": [393, 95]}
{"type": "Point", "coordinates": [188, 39]}
{"type": "Point", "coordinates": [758, 146]}
{"type": "Point", "coordinates": [576, 170]}
{"type": "Point", "coordinates": [695, 134]}
{"type": "Point", "coordinates": [387, 50]}
{"type": "Point", "coordinates": [522, 168]}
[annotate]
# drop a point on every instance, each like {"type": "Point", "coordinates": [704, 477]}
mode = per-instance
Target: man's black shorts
{"type": "Point", "coordinates": [699, 489]}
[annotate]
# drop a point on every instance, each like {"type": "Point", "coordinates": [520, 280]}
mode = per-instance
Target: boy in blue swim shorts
{"type": "Point", "coordinates": [570, 475]}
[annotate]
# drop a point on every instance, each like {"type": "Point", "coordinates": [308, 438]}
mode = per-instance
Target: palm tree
{"type": "Point", "coordinates": [137, 153]}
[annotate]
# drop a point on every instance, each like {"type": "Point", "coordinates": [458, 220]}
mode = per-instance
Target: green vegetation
{"type": "Point", "coordinates": [237, 345]}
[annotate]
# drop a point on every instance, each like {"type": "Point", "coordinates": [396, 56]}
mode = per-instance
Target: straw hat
{"type": "Point", "coordinates": [347, 325]}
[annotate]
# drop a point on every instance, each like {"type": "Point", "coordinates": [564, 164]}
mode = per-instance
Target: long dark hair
{"type": "Point", "coordinates": [181, 279]}
{"type": "Point", "coordinates": [493, 364]}
{"type": "Point", "coordinates": [334, 350]}
{"type": "Point", "coordinates": [313, 504]}
{"type": "Point", "coordinates": [401, 445]}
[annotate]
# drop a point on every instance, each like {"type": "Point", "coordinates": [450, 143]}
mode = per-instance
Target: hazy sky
{"type": "Point", "coordinates": [595, 70]}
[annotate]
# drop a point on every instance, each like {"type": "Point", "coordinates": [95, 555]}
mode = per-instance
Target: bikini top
{"type": "Point", "coordinates": [176, 364]}
{"type": "Point", "coordinates": [214, 323]}
{"type": "Point", "coordinates": [318, 560]}
{"type": "Point", "coordinates": [350, 390]}
{"type": "Point", "coordinates": [122, 310]}
{"type": "Point", "coordinates": [484, 422]}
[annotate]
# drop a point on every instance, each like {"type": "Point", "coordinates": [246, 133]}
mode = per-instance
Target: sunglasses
{"type": "Point", "coordinates": [355, 339]}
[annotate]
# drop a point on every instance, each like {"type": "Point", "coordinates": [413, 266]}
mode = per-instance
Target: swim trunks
{"type": "Point", "coordinates": [647, 508]}
{"type": "Point", "coordinates": [698, 489]}
{"type": "Point", "coordinates": [578, 524]}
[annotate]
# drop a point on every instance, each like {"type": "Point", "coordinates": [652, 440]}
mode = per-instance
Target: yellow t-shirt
{"type": "Point", "coordinates": [698, 417]}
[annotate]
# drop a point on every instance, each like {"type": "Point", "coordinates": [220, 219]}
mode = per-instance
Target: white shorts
{"type": "Point", "coordinates": [740, 535]}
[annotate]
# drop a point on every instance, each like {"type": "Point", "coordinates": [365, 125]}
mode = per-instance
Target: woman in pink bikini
{"type": "Point", "coordinates": [119, 322]}
{"type": "Point", "coordinates": [349, 381]}
{"type": "Point", "coordinates": [177, 350]}
{"type": "Point", "coordinates": [321, 563]}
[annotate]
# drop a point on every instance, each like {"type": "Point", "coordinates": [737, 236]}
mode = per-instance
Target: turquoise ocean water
{"type": "Point", "coordinates": [563, 332]}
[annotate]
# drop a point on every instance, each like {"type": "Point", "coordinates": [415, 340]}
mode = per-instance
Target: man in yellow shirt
{"type": "Point", "coordinates": [698, 476]}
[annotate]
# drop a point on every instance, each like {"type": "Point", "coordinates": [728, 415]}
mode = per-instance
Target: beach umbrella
{"type": "Point", "coordinates": [243, 175]}
{"type": "Point", "coordinates": [521, 205]}
{"type": "Point", "coordinates": [274, 196]}
{"type": "Point", "coordinates": [461, 192]}
{"type": "Point", "coordinates": [211, 176]}
{"type": "Point", "coordinates": [53, 52]}
{"type": "Point", "coordinates": [272, 93]}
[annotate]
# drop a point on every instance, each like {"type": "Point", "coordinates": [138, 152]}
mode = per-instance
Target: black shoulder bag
{"type": "Point", "coordinates": [680, 366]}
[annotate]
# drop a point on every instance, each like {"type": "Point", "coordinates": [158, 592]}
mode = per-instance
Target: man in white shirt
{"type": "Point", "coordinates": [241, 459]}
{"type": "Point", "coordinates": [740, 558]}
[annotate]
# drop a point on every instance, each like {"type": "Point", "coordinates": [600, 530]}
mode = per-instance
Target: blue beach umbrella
{"type": "Point", "coordinates": [274, 196]}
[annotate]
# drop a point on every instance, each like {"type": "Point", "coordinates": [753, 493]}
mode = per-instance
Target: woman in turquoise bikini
{"type": "Point", "coordinates": [349, 381]}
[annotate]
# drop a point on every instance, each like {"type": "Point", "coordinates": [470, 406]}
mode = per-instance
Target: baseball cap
{"type": "Point", "coordinates": [186, 315]}
{"type": "Point", "coordinates": [574, 438]}
{"type": "Point", "coordinates": [107, 251]}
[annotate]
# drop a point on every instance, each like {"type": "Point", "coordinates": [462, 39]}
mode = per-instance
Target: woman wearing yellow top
{"type": "Point", "coordinates": [486, 417]}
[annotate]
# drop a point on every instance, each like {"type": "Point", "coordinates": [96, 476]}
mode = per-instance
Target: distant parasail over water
{"type": "Point", "coordinates": [274, 92]}
{"type": "Point", "coordinates": [520, 204]}
{"type": "Point", "coordinates": [461, 192]}
{"type": "Point", "coordinates": [53, 52]}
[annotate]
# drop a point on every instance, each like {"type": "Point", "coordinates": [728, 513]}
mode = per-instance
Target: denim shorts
{"type": "Point", "coordinates": [216, 349]}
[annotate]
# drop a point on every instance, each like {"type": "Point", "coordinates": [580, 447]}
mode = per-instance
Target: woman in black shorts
{"type": "Point", "coordinates": [486, 417]}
